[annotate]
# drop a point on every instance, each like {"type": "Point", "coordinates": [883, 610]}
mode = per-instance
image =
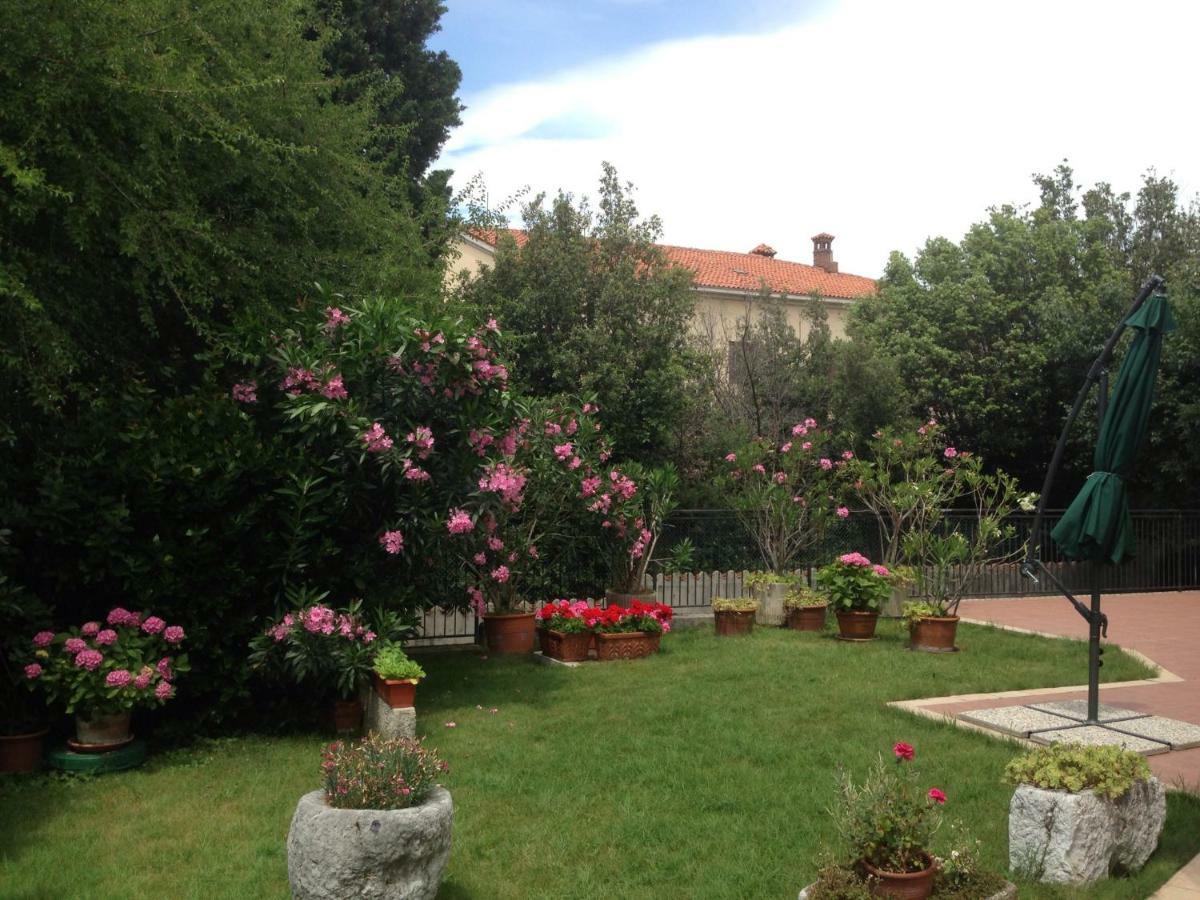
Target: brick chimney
{"type": "Point", "coordinates": [823, 252]}
{"type": "Point", "coordinates": [764, 250]}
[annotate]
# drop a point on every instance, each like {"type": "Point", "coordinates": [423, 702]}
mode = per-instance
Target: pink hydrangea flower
{"type": "Point", "coordinates": [533, 551]}
{"type": "Point", "coordinates": [854, 559]}
{"type": "Point", "coordinates": [43, 639]}
{"type": "Point", "coordinates": [368, 636]}
{"type": "Point", "coordinates": [32, 671]}
{"type": "Point", "coordinates": [74, 645]}
{"type": "Point", "coordinates": [143, 679]}
{"type": "Point", "coordinates": [153, 625]}
{"type": "Point", "coordinates": [119, 616]}
{"type": "Point", "coordinates": [392, 542]}
{"type": "Point", "coordinates": [118, 678]}
{"type": "Point", "coordinates": [459, 522]}
{"type": "Point", "coordinates": [375, 439]}
{"type": "Point", "coordinates": [164, 691]}
{"type": "Point", "coordinates": [477, 601]}
{"type": "Point", "coordinates": [106, 637]}
{"type": "Point", "coordinates": [89, 659]}
{"type": "Point", "coordinates": [245, 392]}
{"type": "Point", "coordinates": [90, 629]}
{"type": "Point", "coordinates": [589, 408]}
{"type": "Point", "coordinates": [164, 668]}
{"type": "Point", "coordinates": [173, 634]}
{"type": "Point", "coordinates": [881, 571]}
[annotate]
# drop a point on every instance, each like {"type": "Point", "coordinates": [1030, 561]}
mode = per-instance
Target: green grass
{"type": "Point", "coordinates": [703, 772]}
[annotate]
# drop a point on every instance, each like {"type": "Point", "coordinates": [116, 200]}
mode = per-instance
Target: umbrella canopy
{"type": "Point", "coordinates": [1096, 525]}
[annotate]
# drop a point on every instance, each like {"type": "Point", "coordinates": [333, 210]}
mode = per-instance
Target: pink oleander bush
{"type": "Point", "coordinates": [630, 503]}
{"type": "Point", "coordinates": [376, 773]}
{"type": "Point", "coordinates": [129, 660]}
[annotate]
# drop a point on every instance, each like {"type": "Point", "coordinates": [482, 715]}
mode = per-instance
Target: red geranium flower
{"type": "Point", "coordinates": [937, 796]}
{"type": "Point", "coordinates": [904, 752]}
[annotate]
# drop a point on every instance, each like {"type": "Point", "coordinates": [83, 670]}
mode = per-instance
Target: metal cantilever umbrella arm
{"type": "Point", "coordinates": [1032, 564]}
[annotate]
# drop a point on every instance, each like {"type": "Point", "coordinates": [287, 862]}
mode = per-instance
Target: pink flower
{"type": "Point", "coordinates": [847, 454]}
{"type": "Point", "coordinates": [826, 464]}
{"type": "Point", "coordinates": [376, 440]}
{"type": "Point", "coordinates": [494, 543]}
{"type": "Point", "coordinates": [500, 574]}
{"type": "Point", "coordinates": [422, 439]}
{"type": "Point", "coordinates": [43, 639]}
{"type": "Point", "coordinates": [414, 473]}
{"type": "Point", "coordinates": [90, 629]}
{"type": "Point", "coordinates": [533, 551]}
{"type": "Point", "coordinates": [810, 423]}
{"type": "Point", "coordinates": [904, 752]}
{"type": "Point", "coordinates": [563, 451]}
{"type": "Point", "coordinates": [575, 463]}
{"type": "Point", "coordinates": [730, 457]}
{"type": "Point", "coordinates": [459, 522]}
{"type": "Point", "coordinates": [245, 392]}
{"type": "Point", "coordinates": [164, 667]}
{"type": "Point", "coordinates": [164, 691]}
{"type": "Point", "coordinates": [32, 671]}
{"type": "Point", "coordinates": [881, 571]}
{"type": "Point", "coordinates": [153, 625]}
{"type": "Point", "coordinates": [950, 453]}
{"type": "Point", "coordinates": [572, 427]}
{"type": "Point", "coordinates": [552, 428]}
{"type": "Point", "coordinates": [799, 430]}
{"type": "Point", "coordinates": [937, 796]}
{"type": "Point", "coordinates": [368, 637]}
{"type": "Point", "coordinates": [89, 659]}
{"type": "Point", "coordinates": [142, 681]}
{"type": "Point", "coordinates": [173, 634]}
{"type": "Point", "coordinates": [513, 556]}
{"type": "Point", "coordinates": [588, 487]}
{"type": "Point", "coordinates": [854, 559]}
{"type": "Point", "coordinates": [106, 637]}
{"type": "Point", "coordinates": [392, 542]}
{"type": "Point", "coordinates": [477, 603]}
{"type": "Point", "coordinates": [758, 467]}
{"type": "Point", "coordinates": [74, 645]}
{"type": "Point", "coordinates": [335, 389]}
{"type": "Point", "coordinates": [843, 512]}
{"type": "Point", "coordinates": [786, 447]}
{"type": "Point", "coordinates": [118, 678]}
{"type": "Point", "coordinates": [120, 616]}
{"type": "Point", "coordinates": [503, 479]}
{"type": "Point", "coordinates": [589, 408]}
{"type": "Point", "coordinates": [298, 379]}
{"type": "Point", "coordinates": [780, 477]}
{"type": "Point", "coordinates": [334, 319]}
{"type": "Point", "coordinates": [451, 724]}
{"type": "Point", "coordinates": [480, 559]}
{"type": "Point", "coordinates": [807, 445]}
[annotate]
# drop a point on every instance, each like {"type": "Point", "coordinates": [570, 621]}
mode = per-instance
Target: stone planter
{"type": "Point", "coordinates": [857, 626]}
{"type": "Point", "coordinates": [565, 647]}
{"type": "Point", "coordinates": [101, 733]}
{"type": "Point", "coordinates": [731, 622]}
{"type": "Point", "coordinates": [1060, 837]}
{"type": "Point", "coordinates": [509, 634]}
{"type": "Point", "coordinates": [1008, 892]}
{"type": "Point", "coordinates": [22, 752]}
{"type": "Point", "coordinates": [626, 645]}
{"type": "Point", "coordinates": [807, 618]}
{"type": "Point", "coordinates": [933, 634]}
{"type": "Point", "coordinates": [770, 599]}
{"type": "Point", "coordinates": [893, 606]}
{"type": "Point", "coordinates": [393, 854]}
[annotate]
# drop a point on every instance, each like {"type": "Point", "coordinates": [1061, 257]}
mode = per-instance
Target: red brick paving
{"type": "Point", "coordinates": [1163, 626]}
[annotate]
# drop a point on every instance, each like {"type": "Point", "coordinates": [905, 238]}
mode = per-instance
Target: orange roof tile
{"type": "Point", "coordinates": [746, 271]}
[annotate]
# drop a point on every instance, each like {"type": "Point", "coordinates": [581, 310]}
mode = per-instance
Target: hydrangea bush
{"type": "Point", "coordinates": [854, 584]}
{"type": "Point", "coordinates": [377, 773]}
{"type": "Point", "coordinates": [128, 660]}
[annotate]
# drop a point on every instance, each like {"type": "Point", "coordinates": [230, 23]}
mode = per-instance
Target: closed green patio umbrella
{"type": "Point", "coordinates": [1096, 525]}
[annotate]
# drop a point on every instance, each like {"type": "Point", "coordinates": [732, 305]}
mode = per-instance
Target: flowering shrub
{"type": "Point", "coordinates": [376, 773]}
{"type": "Point", "coordinates": [631, 504]}
{"type": "Point", "coordinates": [320, 646]}
{"type": "Point", "coordinates": [130, 659]}
{"type": "Point", "coordinates": [784, 494]}
{"type": "Point", "coordinates": [890, 819]}
{"type": "Point", "coordinates": [654, 618]}
{"type": "Point", "coordinates": [853, 583]}
{"type": "Point", "coordinates": [565, 616]}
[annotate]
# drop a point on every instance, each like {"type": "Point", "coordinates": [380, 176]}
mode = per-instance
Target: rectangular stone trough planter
{"type": "Point", "coordinates": [1065, 838]}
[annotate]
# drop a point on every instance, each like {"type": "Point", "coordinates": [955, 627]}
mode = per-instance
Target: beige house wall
{"type": "Point", "coordinates": [469, 257]}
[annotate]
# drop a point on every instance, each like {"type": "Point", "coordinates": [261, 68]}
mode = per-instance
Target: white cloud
{"type": "Point", "coordinates": [881, 122]}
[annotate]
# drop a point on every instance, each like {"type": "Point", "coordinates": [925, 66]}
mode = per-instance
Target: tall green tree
{"type": "Point", "coordinates": [591, 305]}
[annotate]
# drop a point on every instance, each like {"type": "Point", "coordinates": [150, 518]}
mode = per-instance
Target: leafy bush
{"type": "Point", "coordinates": [854, 584]}
{"type": "Point", "coordinates": [1109, 771]}
{"type": "Point", "coordinates": [735, 604]}
{"type": "Point", "coordinates": [801, 597]}
{"type": "Point", "coordinates": [392, 664]}
{"type": "Point", "coordinates": [376, 773]}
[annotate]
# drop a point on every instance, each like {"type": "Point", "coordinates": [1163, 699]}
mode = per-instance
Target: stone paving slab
{"type": "Point", "coordinates": [1180, 735]}
{"type": "Point", "coordinates": [550, 661]}
{"type": "Point", "coordinates": [1077, 710]}
{"type": "Point", "coordinates": [1019, 721]}
{"type": "Point", "coordinates": [1099, 735]}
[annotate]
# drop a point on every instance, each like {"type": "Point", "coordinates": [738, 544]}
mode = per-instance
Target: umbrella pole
{"type": "Point", "coordinates": [1094, 620]}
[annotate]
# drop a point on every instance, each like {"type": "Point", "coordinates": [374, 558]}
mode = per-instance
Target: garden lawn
{"type": "Point", "coordinates": [705, 771]}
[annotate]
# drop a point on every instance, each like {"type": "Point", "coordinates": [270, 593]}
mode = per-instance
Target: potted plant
{"type": "Point", "coordinates": [1079, 812]}
{"type": "Point", "coordinates": [562, 630]}
{"type": "Point", "coordinates": [380, 826]}
{"type": "Point", "coordinates": [887, 823]}
{"type": "Point", "coordinates": [782, 494]}
{"type": "Point", "coordinates": [326, 649]}
{"type": "Point", "coordinates": [856, 589]}
{"type": "Point", "coordinates": [394, 676]}
{"type": "Point", "coordinates": [101, 671]}
{"type": "Point", "coordinates": [805, 609]}
{"type": "Point", "coordinates": [734, 615]}
{"type": "Point", "coordinates": [628, 632]}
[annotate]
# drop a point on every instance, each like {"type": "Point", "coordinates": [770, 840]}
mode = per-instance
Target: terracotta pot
{"type": "Point", "coordinates": [729, 622]}
{"type": "Point", "coordinates": [933, 634]}
{"type": "Point", "coordinates": [566, 647]}
{"type": "Point", "coordinates": [902, 885]}
{"type": "Point", "coordinates": [509, 633]}
{"type": "Point", "coordinates": [396, 693]}
{"type": "Point", "coordinates": [102, 731]}
{"type": "Point", "coordinates": [646, 595]}
{"type": "Point", "coordinates": [857, 626]}
{"type": "Point", "coordinates": [22, 752]}
{"type": "Point", "coordinates": [347, 716]}
{"type": "Point", "coordinates": [626, 645]}
{"type": "Point", "coordinates": [807, 618]}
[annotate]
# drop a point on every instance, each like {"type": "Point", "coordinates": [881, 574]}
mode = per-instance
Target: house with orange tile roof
{"type": "Point", "coordinates": [727, 284]}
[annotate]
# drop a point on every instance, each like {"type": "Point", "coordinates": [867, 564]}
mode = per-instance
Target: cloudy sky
{"type": "Point", "coordinates": [749, 121]}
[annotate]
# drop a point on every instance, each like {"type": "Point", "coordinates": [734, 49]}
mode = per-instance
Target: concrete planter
{"type": "Point", "coordinates": [770, 599]}
{"type": "Point", "coordinates": [394, 854]}
{"type": "Point", "coordinates": [1065, 838]}
{"type": "Point", "coordinates": [1008, 892]}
